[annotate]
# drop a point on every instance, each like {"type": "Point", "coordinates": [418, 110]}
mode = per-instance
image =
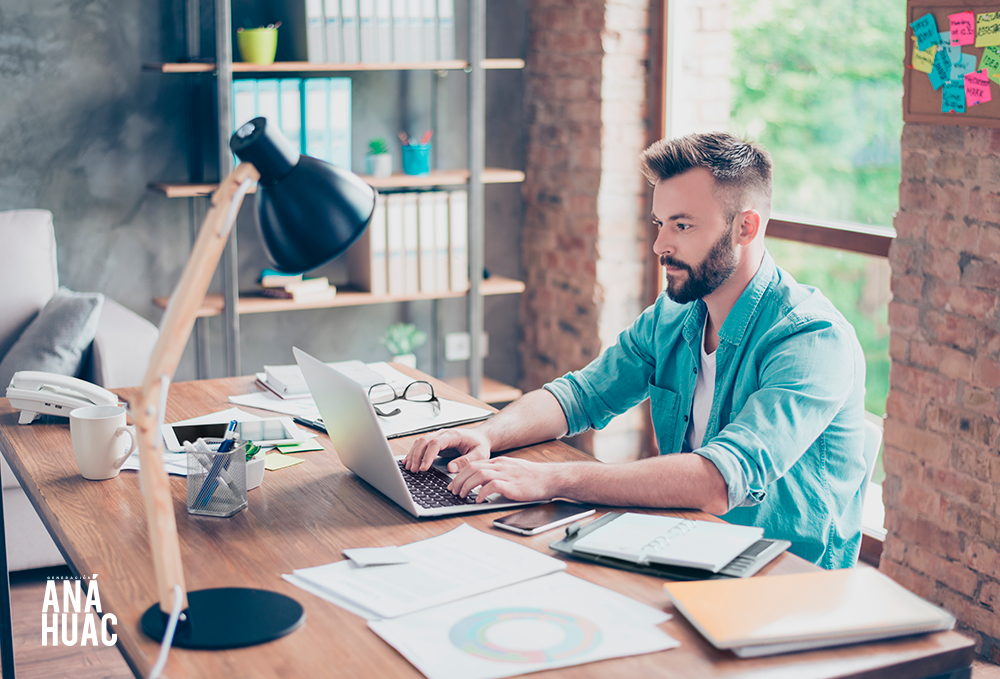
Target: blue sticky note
{"type": "Point", "coordinates": [941, 71]}
{"type": "Point", "coordinates": [945, 37]}
{"type": "Point", "coordinates": [965, 64]}
{"type": "Point", "coordinates": [954, 53]}
{"type": "Point", "coordinates": [953, 97]}
{"type": "Point", "coordinates": [926, 31]}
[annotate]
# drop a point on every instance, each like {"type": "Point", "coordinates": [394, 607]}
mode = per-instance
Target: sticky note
{"type": "Point", "coordinates": [966, 63]}
{"type": "Point", "coordinates": [275, 461]}
{"type": "Point", "coordinates": [945, 38]}
{"type": "Point", "coordinates": [991, 63]}
{"type": "Point", "coordinates": [953, 97]}
{"type": "Point", "coordinates": [988, 29]}
{"type": "Point", "coordinates": [977, 88]}
{"type": "Point", "coordinates": [923, 61]}
{"type": "Point", "coordinates": [963, 28]}
{"type": "Point", "coordinates": [941, 70]}
{"type": "Point", "coordinates": [954, 53]}
{"type": "Point", "coordinates": [304, 447]}
{"type": "Point", "coordinates": [926, 32]}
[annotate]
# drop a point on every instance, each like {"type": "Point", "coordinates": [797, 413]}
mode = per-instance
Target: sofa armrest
{"type": "Point", "coordinates": [122, 348]}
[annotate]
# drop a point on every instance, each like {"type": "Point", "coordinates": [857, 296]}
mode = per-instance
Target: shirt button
{"type": "Point", "coordinates": [685, 418]}
{"type": "Point", "coordinates": [695, 371]}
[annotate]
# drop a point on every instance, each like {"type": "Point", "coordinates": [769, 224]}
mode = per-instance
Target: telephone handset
{"type": "Point", "coordinates": [37, 393]}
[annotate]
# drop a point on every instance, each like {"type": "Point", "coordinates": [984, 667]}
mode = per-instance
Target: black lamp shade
{"type": "Point", "coordinates": [309, 211]}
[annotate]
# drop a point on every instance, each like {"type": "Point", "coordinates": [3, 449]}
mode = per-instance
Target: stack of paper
{"type": "Point", "coordinates": [478, 606]}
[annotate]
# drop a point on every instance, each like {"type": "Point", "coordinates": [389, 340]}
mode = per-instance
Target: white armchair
{"type": "Point", "coordinates": [118, 357]}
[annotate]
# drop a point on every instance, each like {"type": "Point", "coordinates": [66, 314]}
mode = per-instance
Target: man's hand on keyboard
{"type": "Point", "coordinates": [471, 444]}
{"type": "Point", "coordinates": [513, 478]}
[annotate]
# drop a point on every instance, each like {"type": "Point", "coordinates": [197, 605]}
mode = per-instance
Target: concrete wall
{"type": "Point", "coordinates": [85, 129]}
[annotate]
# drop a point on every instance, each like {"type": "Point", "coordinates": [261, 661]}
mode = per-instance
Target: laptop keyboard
{"type": "Point", "coordinates": [429, 489]}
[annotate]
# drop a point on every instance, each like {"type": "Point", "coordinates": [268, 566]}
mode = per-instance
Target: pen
{"type": "Point", "coordinates": [212, 478]}
{"type": "Point", "coordinates": [313, 424]}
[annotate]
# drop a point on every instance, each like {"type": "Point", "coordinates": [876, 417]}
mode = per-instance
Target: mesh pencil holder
{"type": "Point", "coordinates": [217, 482]}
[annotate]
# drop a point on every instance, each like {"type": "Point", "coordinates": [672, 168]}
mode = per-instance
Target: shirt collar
{"type": "Point", "coordinates": [735, 326]}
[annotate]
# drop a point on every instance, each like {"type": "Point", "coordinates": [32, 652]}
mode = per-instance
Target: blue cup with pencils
{"type": "Point", "coordinates": [416, 156]}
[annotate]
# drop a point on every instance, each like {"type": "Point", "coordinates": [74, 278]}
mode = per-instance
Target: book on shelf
{"type": "Point", "coordinates": [334, 33]}
{"type": "Point", "coordinates": [425, 238]}
{"type": "Point", "coordinates": [368, 49]}
{"type": "Point", "coordinates": [383, 31]}
{"type": "Point", "coordinates": [307, 288]}
{"type": "Point", "coordinates": [350, 37]}
{"type": "Point", "coordinates": [315, 29]}
{"type": "Point", "coordinates": [446, 29]}
{"type": "Point", "coordinates": [430, 30]}
{"type": "Point", "coordinates": [269, 278]}
{"type": "Point", "coordinates": [761, 616]}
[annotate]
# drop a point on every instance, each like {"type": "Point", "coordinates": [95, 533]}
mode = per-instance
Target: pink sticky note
{"type": "Point", "coordinates": [963, 28]}
{"type": "Point", "coordinates": [977, 88]}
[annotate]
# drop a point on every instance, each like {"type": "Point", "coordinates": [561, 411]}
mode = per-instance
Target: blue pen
{"type": "Point", "coordinates": [212, 478]}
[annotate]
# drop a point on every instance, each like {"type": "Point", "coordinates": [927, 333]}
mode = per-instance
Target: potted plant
{"type": "Point", "coordinates": [379, 159]}
{"type": "Point", "coordinates": [401, 339]}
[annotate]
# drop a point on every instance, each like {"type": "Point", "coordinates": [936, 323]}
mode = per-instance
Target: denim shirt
{"type": "Point", "coordinates": [786, 428]}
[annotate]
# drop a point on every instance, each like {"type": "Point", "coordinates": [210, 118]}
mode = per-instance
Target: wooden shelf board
{"type": "Point", "coordinates": [214, 303]}
{"type": "Point", "coordinates": [491, 175]}
{"type": "Point", "coordinates": [491, 390]}
{"type": "Point", "coordinates": [306, 67]}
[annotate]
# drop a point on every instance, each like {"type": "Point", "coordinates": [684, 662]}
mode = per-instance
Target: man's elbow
{"type": "Point", "coordinates": [716, 504]}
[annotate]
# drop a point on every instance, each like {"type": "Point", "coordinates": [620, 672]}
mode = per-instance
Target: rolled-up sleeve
{"type": "Point", "coordinates": [612, 383]}
{"type": "Point", "coordinates": [805, 379]}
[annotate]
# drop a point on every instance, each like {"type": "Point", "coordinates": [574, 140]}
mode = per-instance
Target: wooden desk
{"type": "Point", "coordinates": [304, 516]}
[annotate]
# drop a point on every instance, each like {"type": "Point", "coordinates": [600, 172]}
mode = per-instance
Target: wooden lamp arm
{"type": "Point", "coordinates": [174, 332]}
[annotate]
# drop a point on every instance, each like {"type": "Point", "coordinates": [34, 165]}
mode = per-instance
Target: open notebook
{"type": "Point", "coordinates": [785, 613]}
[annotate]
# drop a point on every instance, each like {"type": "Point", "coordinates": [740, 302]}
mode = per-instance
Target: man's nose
{"type": "Point", "coordinates": [663, 245]}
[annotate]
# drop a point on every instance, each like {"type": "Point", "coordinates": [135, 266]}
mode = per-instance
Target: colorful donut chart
{"type": "Point", "coordinates": [471, 635]}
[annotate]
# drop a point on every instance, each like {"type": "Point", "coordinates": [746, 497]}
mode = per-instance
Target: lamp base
{"type": "Point", "coordinates": [228, 617]}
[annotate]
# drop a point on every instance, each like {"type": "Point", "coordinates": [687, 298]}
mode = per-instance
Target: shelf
{"type": "Point", "coordinates": [490, 391]}
{"type": "Point", "coordinates": [491, 175]}
{"type": "Point", "coordinates": [214, 303]}
{"type": "Point", "coordinates": [306, 67]}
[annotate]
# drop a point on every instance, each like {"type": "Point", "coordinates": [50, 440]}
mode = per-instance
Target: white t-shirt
{"type": "Point", "coordinates": [704, 394]}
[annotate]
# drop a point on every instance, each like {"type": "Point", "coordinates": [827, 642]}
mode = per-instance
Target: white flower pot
{"type": "Point", "coordinates": [409, 360]}
{"type": "Point", "coordinates": [379, 165]}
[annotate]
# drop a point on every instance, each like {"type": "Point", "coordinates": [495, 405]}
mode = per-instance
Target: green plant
{"type": "Point", "coordinates": [402, 338]}
{"type": "Point", "coordinates": [378, 146]}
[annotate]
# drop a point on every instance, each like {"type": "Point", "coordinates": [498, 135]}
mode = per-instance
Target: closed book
{"type": "Point", "coordinates": [430, 23]}
{"type": "Point", "coordinates": [298, 296]}
{"type": "Point", "coordinates": [441, 245]}
{"type": "Point", "coordinates": [415, 32]}
{"type": "Point", "coordinates": [411, 244]}
{"type": "Point", "coordinates": [383, 31]}
{"type": "Point", "coordinates": [428, 247]}
{"type": "Point", "coordinates": [400, 30]}
{"type": "Point", "coordinates": [317, 284]}
{"type": "Point", "coordinates": [290, 110]}
{"type": "Point", "coordinates": [784, 613]}
{"type": "Point", "coordinates": [334, 32]}
{"type": "Point", "coordinates": [446, 29]}
{"type": "Point", "coordinates": [267, 101]}
{"type": "Point", "coordinates": [366, 31]}
{"type": "Point", "coordinates": [339, 127]}
{"type": "Point", "coordinates": [269, 278]}
{"type": "Point", "coordinates": [394, 243]}
{"type": "Point", "coordinates": [350, 37]}
{"type": "Point", "coordinates": [286, 380]}
{"type": "Point", "coordinates": [316, 103]}
{"type": "Point", "coordinates": [458, 237]}
{"type": "Point", "coordinates": [315, 32]}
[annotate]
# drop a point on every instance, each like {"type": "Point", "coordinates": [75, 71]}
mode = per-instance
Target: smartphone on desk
{"type": "Point", "coordinates": [538, 519]}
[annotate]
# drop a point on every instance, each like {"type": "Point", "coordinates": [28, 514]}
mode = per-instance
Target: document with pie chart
{"type": "Point", "coordinates": [552, 621]}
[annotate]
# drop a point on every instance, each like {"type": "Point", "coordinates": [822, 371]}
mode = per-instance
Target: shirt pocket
{"type": "Point", "coordinates": [663, 408]}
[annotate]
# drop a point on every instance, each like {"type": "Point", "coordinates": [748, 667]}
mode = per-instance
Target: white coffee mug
{"type": "Point", "coordinates": [98, 440]}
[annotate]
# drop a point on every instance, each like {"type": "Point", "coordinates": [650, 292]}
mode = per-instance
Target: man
{"type": "Point", "coordinates": [756, 382]}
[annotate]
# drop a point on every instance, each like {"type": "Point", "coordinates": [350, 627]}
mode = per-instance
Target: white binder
{"type": "Point", "coordinates": [430, 23]}
{"type": "Point", "coordinates": [290, 110]}
{"type": "Point", "coordinates": [366, 31]}
{"type": "Point", "coordinates": [411, 244]}
{"type": "Point", "coordinates": [350, 40]}
{"type": "Point", "coordinates": [458, 222]}
{"type": "Point", "coordinates": [339, 112]}
{"type": "Point", "coordinates": [428, 245]}
{"type": "Point", "coordinates": [415, 34]}
{"type": "Point", "coordinates": [244, 102]}
{"type": "Point", "coordinates": [400, 31]}
{"type": "Point", "coordinates": [267, 101]}
{"type": "Point", "coordinates": [446, 29]}
{"type": "Point", "coordinates": [315, 40]}
{"type": "Point", "coordinates": [441, 241]}
{"type": "Point", "coordinates": [317, 139]}
{"type": "Point", "coordinates": [379, 255]}
{"type": "Point", "coordinates": [383, 31]}
{"type": "Point", "coordinates": [394, 243]}
{"type": "Point", "coordinates": [334, 32]}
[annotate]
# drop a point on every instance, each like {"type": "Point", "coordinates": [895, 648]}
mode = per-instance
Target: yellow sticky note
{"type": "Point", "coordinates": [304, 447]}
{"type": "Point", "coordinates": [276, 461]}
{"type": "Point", "coordinates": [988, 29]}
{"type": "Point", "coordinates": [924, 61]}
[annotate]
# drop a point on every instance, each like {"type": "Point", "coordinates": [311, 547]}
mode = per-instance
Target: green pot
{"type": "Point", "coordinates": [257, 45]}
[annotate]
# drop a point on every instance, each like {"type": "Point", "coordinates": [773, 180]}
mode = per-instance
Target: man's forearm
{"type": "Point", "coordinates": [683, 480]}
{"type": "Point", "coordinates": [536, 416]}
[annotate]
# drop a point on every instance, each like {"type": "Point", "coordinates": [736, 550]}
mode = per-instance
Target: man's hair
{"type": "Point", "coordinates": [741, 168]}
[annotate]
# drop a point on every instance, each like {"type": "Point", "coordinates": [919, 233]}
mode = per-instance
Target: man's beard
{"type": "Point", "coordinates": [718, 265]}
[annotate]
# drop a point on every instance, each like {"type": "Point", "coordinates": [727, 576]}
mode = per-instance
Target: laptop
{"type": "Point", "coordinates": [352, 425]}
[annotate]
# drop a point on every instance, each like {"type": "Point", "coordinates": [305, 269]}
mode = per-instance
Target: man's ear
{"type": "Point", "coordinates": [749, 223]}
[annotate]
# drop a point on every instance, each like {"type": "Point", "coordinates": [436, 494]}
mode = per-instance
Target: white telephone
{"type": "Point", "coordinates": [36, 393]}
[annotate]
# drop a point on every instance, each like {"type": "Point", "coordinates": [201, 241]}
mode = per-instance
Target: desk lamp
{"type": "Point", "coordinates": [309, 212]}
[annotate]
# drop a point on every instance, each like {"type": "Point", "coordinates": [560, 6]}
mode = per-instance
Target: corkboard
{"type": "Point", "coordinates": [921, 102]}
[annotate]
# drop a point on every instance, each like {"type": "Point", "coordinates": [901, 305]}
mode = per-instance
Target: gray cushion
{"type": "Point", "coordinates": [58, 337]}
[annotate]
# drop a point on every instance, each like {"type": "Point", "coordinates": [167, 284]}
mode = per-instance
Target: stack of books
{"type": "Point", "coordinates": [294, 286]}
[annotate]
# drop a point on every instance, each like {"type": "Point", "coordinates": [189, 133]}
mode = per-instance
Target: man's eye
{"type": "Point", "coordinates": [681, 226]}
{"type": "Point", "coordinates": [657, 225]}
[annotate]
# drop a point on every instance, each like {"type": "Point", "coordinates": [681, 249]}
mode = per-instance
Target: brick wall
{"type": "Point", "coordinates": [584, 237]}
{"type": "Point", "coordinates": [701, 54]}
{"type": "Point", "coordinates": [942, 426]}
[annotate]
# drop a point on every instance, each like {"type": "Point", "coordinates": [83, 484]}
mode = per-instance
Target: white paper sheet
{"type": "Point", "coordinates": [549, 622]}
{"type": "Point", "coordinates": [457, 564]}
